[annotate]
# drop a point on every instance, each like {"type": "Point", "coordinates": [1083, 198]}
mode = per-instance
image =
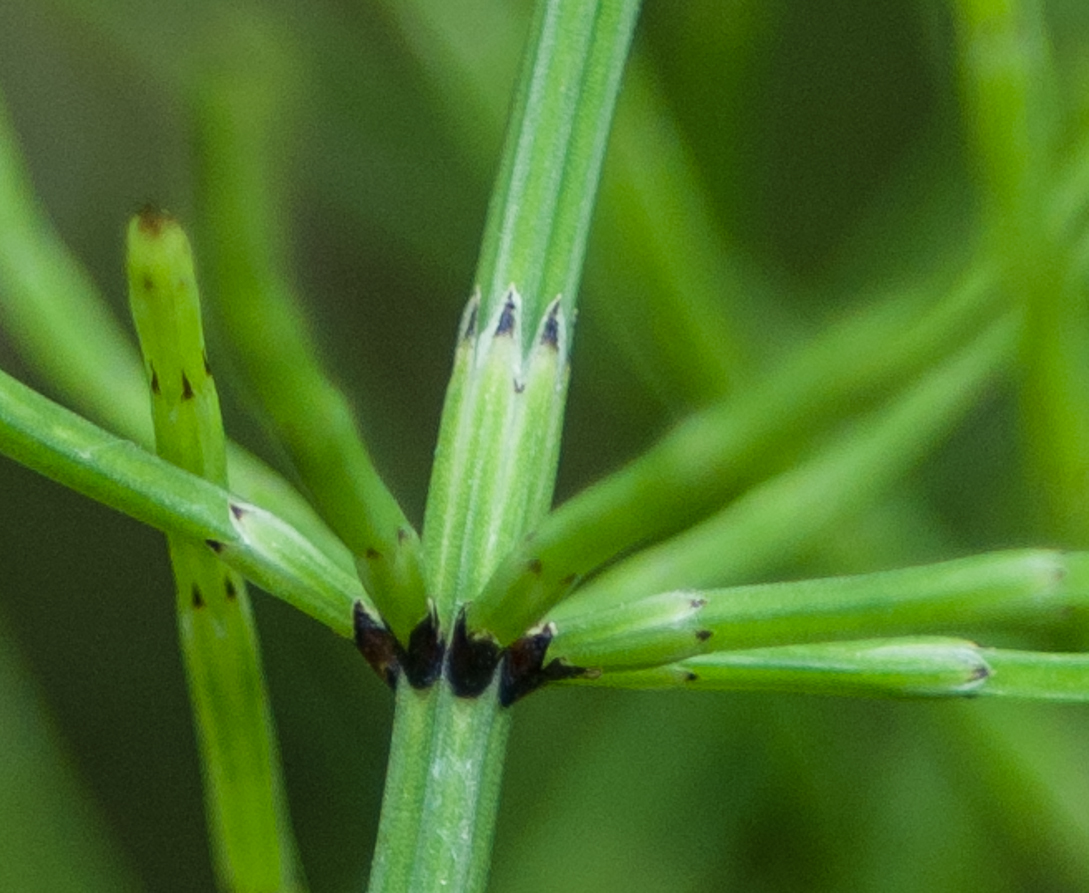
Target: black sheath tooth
{"type": "Point", "coordinates": [187, 388]}
{"type": "Point", "coordinates": [377, 645]}
{"type": "Point", "coordinates": [422, 662]}
{"type": "Point", "coordinates": [469, 331]}
{"type": "Point", "coordinates": [524, 670]}
{"type": "Point", "coordinates": [505, 326]}
{"type": "Point", "coordinates": [471, 664]}
{"type": "Point", "coordinates": [550, 332]}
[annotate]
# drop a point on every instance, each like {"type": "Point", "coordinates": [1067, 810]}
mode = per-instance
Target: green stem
{"type": "Point", "coordinates": [59, 444]}
{"type": "Point", "coordinates": [785, 517]}
{"type": "Point", "coordinates": [498, 442]}
{"type": "Point", "coordinates": [1000, 587]}
{"type": "Point", "coordinates": [914, 666]}
{"type": "Point", "coordinates": [446, 766]}
{"type": "Point", "coordinates": [245, 798]}
{"type": "Point", "coordinates": [243, 113]}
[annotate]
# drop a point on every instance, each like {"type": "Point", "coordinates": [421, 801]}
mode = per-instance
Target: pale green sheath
{"type": "Point", "coordinates": [254, 847]}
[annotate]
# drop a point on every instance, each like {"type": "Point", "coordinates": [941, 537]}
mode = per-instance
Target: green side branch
{"type": "Point", "coordinates": [251, 834]}
{"type": "Point", "coordinates": [785, 517]}
{"type": "Point", "coordinates": [908, 667]}
{"type": "Point", "coordinates": [915, 666]}
{"type": "Point", "coordinates": [265, 549]}
{"type": "Point", "coordinates": [242, 108]}
{"type": "Point", "coordinates": [982, 590]}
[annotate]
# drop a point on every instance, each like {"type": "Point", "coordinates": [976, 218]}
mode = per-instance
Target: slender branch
{"type": "Point", "coordinates": [916, 666]}
{"type": "Point", "coordinates": [242, 115]}
{"type": "Point", "coordinates": [1002, 587]}
{"type": "Point", "coordinates": [55, 442]}
{"type": "Point", "coordinates": [252, 839]}
{"type": "Point", "coordinates": [909, 667]}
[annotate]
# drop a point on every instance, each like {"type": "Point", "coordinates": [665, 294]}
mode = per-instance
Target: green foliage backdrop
{"type": "Point", "coordinates": [819, 160]}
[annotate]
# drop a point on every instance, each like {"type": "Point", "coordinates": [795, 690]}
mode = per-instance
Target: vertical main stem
{"type": "Point", "coordinates": [498, 445]}
{"type": "Point", "coordinates": [442, 791]}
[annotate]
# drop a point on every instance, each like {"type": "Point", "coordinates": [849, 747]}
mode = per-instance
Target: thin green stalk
{"type": "Point", "coordinates": [499, 438]}
{"type": "Point", "coordinates": [1037, 676]}
{"type": "Point", "coordinates": [242, 113]}
{"type": "Point", "coordinates": [910, 667]}
{"type": "Point", "coordinates": [1000, 587]}
{"type": "Point", "coordinates": [61, 445]}
{"type": "Point", "coordinates": [252, 840]}
{"type": "Point", "coordinates": [783, 517]}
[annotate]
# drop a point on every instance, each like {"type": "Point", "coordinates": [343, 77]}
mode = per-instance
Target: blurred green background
{"type": "Point", "coordinates": [824, 162]}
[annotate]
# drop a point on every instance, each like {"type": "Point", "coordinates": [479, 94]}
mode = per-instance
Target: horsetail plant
{"type": "Point", "coordinates": [642, 580]}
